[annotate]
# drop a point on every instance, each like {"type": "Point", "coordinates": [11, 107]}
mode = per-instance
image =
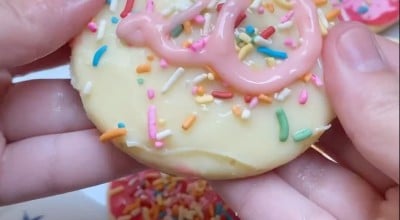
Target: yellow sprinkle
{"type": "Point", "coordinates": [150, 57]}
{"type": "Point", "coordinates": [189, 121]}
{"type": "Point", "coordinates": [236, 110]}
{"type": "Point", "coordinates": [161, 121]}
{"type": "Point", "coordinates": [115, 191]}
{"type": "Point", "coordinates": [307, 77]}
{"type": "Point", "coordinates": [245, 51]}
{"type": "Point", "coordinates": [265, 98]}
{"type": "Point", "coordinates": [320, 3]}
{"type": "Point", "coordinates": [270, 7]}
{"type": "Point", "coordinates": [332, 14]}
{"type": "Point", "coordinates": [210, 76]}
{"type": "Point", "coordinates": [114, 133]}
{"type": "Point", "coordinates": [284, 4]}
{"type": "Point", "coordinates": [131, 207]}
{"type": "Point", "coordinates": [143, 68]}
{"type": "Point", "coordinates": [244, 37]}
{"type": "Point", "coordinates": [271, 62]}
{"type": "Point", "coordinates": [187, 27]}
{"type": "Point", "coordinates": [324, 31]}
{"type": "Point", "coordinates": [204, 99]}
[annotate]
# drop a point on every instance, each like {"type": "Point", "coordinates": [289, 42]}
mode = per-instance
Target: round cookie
{"type": "Point", "coordinates": [153, 195]}
{"type": "Point", "coordinates": [206, 89]}
{"type": "Point", "coordinates": [377, 14]}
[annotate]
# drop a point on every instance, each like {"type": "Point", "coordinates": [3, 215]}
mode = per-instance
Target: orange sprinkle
{"type": "Point", "coordinates": [150, 57]}
{"type": "Point", "coordinates": [307, 77]}
{"type": "Point", "coordinates": [200, 90]}
{"type": "Point", "coordinates": [189, 121]}
{"type": "Point", "coordinates": [332, 14]}
{"type": "Point", "coordinates": [131, 207]}
{"type": "Point", "coordinates": [265, 98]}
{"type": "Point", "coordinates": [187, 27]}
{"type": "Point", "coordinates": [114, 133]}
{"type": "Point", "coordinates": [320, 3]}
{"type": "Point", "coordinates": [116, 190]}
{"type": "Point", "coordinates": [143, 68]}
{"type": "Point", "coordinates": [269, 7]}
{"type": "Point", "coordinates": [237, 111]}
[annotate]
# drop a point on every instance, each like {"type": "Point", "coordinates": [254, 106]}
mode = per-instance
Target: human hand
{"type": "Point", "coordinates": [362, 81]}
{"type": "Point", "coordinates": [47, 145]}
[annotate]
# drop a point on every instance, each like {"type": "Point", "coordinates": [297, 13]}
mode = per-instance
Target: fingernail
{"type": "Point", "coordinates": [359, 50]}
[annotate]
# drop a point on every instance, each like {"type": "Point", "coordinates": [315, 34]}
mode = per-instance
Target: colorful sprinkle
{"type": "Point", "coordinates": [101, 29]}
{"type": "Point", "coordinates": [151, 94]}
{"type": "Point", "coordinates": [204, 99]}
{"type": "Point", "coordinates": [143, 68]}
{"type": "Point", "coordinates": [163, 134]}
{"type": "Point", "coordinates": [98, 55]}
{"type": "Point", "coordinates": [121, 125]}
{"type": "Point", "coordinates": [189, 121]}
{"type": "Point", "coordinates": [250, 30]}
{"type": "Point", "coordinates": [177, 31]}
{"type": "Point", "coordinates": [128, 8]}
{"type": "Point", "coordinates": [114, 20]}
{"type": "Point", "coordinates": [284, 4]}
{"type": "Point", "coordinates": [175, 76]}
{"type": "Point", "coordinates": [302, 134]}
{"type": "Point", "coordinates": [362, 9]}
{"type": "Point", "coordinates": [152, 122]}
{"type": "Point", "coordinates": [112, 134]}
{"type": "Point", "coordinates": [140, 81]}
{"type": "Point", "coordinates": [222, 94]}
{"type": "Point", "coordinates": [303, 97]}
{"type": "Point", "coordinates": [92, 26]}
{"type": "Point", "coordinates": [282, 95]}
{"type": "Point", "coordinates": [283, 124]}
{"type": "Point", "coordinates": [272, 53]}
{"type": "Point", "coordinates": [88, 88]}
{"type": "Point", "coordinates": [268, 32]}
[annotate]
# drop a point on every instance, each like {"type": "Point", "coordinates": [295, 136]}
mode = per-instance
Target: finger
{"type": "Point", "coordinates": [59, 163]}
{"type": "Point", "coordinates": [38, 28]}
{"type": "Point", "coordinates": [41, 107]}
{"type": "Point", "coordinates": [337, 145]}
{"type": "Point", "coordinates": [331, 186]}
{"type": "Point", "coordinates": [364, 93]}
{"type": "Point", "coordinates": [57, 58]}
{"type": "Point", "coordinates": [268, 197]}
{"type": "Point", "coordinates": [388, 50]}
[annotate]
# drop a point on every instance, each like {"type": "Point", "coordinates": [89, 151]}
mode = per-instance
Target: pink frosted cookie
{"type": "Point", "coordinates": [151, 195]}
{"type": "Point", "coordinates": [204, 88]}
{"type": "Point", "coordinates": [377, 14]}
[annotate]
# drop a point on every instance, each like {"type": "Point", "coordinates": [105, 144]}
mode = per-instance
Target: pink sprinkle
{"type": "Point", "coordinates": [287, 17]}
{"type": "Point", "coordinates": [151, 94]}
{"type": "Point", "coordinates": [150, 6]}
{"type": "Point", "coordinates": [199, 19]}
{"type": "Point", "coordinates": [317, 81]}
{"type": "Point", "coordinates": [152, 122]}
{"type": "Point", "coordinates": [260, 10]}
{"type": "Point", "coordinates": [303, 97]}
{"type": "Point", "coordinates": [254, 102]}
{"type": "Point", "coordinates": [159, 144]}
{"type": "Point", "coordinates": [198, 45]}
{"type": "Point", "coordinates": [194, 90]}
{"type": "Point", "coordinates": [163, 63]}
{"type": "Point", "coordinates": [92, 26]}
{"type": "Point", "coordinates": [290, 43]}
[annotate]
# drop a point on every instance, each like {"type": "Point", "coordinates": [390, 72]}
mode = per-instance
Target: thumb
{"type": "Point", "coordinates": [364, 92]}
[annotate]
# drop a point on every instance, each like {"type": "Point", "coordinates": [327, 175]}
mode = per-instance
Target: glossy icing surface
{"type": "Point", "coordinates": [191, 119]}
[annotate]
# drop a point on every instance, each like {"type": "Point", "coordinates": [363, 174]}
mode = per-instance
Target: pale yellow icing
{"type": "Point", "coordinates": [219, 145]}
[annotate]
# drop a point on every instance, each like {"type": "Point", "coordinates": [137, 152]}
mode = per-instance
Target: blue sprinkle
{"type": "Point", "coordinates": [219, 208]}
{"type": "Point", "coordinates": [114, 20]}
{"type": "Point", "coordinates": [228, 216]}
{"type": "Point", "coordinates": [250, 30]}
{"type": "Point", "coordinates": [272, 53]}
{"type": "Point", "coordinates": [99, 53]}
{"type": "Point", "coordinates": [108, 2]}
{"type": "Point", "coordinates": [362, 9]}
{"type": "Point", "coordinates": [177, 31]}
{"type": "Point", "coordinates": [121, 125]}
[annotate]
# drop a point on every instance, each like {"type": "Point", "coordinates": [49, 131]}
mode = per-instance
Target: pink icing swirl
{"type": "Point", "coordinates": [152, 30]}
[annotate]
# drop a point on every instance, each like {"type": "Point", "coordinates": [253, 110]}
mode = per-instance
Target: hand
{"type": "Point", "coordinates": [47, 145]}
{"type": "Point", "coordinates": [362, 80]}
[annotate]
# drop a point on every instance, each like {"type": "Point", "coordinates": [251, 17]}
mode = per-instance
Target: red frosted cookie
{"type": "Point", "coordinates": [377, 14]}
{"type": "Point", "coordinates": [153, 195]}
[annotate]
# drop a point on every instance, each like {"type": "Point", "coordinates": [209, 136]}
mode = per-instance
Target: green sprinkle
{"type": "Point", "coordinates": [283, 124]}
{"type": "Point", "coordinates": [140, 81]}
{"type": "Point", "coordinates": [177, 31]}
{"type": "Point", "coordinates": [302, 134]}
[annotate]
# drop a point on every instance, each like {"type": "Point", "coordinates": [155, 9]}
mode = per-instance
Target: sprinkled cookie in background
{"type": "Point", "coordinates": [152, 195]}
{"type": "Point", "coordinates": [377, 14]}
{"type": "Point", "coordinates": [206, 88]}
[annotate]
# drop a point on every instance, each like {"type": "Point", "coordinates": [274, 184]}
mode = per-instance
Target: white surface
{"type": "Point", "coordinates": [89, 203]}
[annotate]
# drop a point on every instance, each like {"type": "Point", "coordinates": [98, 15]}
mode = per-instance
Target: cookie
{"type": "Point", "coordinates": [204, 88]}
{"type": "Point", "coordinates": [377, 14]}
{"type": "Point", "coordinates": [154, 195]}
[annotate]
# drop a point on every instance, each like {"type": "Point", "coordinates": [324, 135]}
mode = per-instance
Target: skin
{"type": "Point", "coordinates": [48, 146]}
